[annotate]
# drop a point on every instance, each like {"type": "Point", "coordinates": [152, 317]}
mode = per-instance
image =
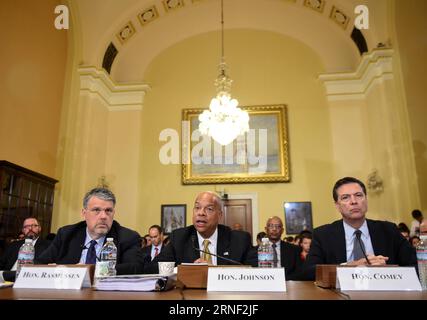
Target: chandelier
{"type": "Point", "coordinates": [224, 121]}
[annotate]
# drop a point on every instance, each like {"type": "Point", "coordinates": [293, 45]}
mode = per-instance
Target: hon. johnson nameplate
{"type": "Point", "coordinates": [246, 279]}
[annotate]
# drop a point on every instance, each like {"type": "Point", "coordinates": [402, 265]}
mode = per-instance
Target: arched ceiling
{"type": "Point", "coordinates": [101, 22]}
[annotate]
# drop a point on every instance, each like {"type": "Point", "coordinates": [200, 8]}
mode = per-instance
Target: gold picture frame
{"type": "Point", "coordinates": [266, 142]}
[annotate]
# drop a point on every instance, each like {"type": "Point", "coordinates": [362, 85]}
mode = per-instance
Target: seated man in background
{"type": "Point", "coordinates": [350, 239]}
{"type": "Point", "coordinates": [286, 255]}
{"type": "Point", "coordinates": [82, 242]}
{"type": "Point", "coordinates": [156, 236]}
{"type": "Point", "coordinates": [8, 261]}
{"type": "Point", "coordinates": [208, 235]}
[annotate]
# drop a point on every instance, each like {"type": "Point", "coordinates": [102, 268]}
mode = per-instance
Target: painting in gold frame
{"type": "Point", "coordinates": [257, 157]}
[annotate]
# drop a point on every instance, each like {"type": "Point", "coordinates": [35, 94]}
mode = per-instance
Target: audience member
{"type": "Point", "coordinates": [31, 229]}
{"type": "Point", "coordinates": [237, 226]}
{"type": "Point", "coordinates": [147, 240]}
{"type": "Point", "coordinates": [289, 239]}
{"type": "Point", "coordinates": [348, 240]}
{"type": "Point", "coordinates": [286, 255]}
{"type": "Point", "coordinates": [166, 240]}
{"type": "Point", "coordinates": [259, 237]}
{"type": "Point", "coordinates": [82, 242]}
{"type": "Point", "coordinates": [207, 235]}
{"type": "Point", "coordinates": [404, 230]}
{"type": "Point", "coordinates": [305, 245]}
{"type": "Point", "coordinates": [415, 225]}
{"type": "Point", "coordinates": [414, 241]}
{"type": "Point", "coordinates": [156, 236]}
{"type": "Point", "coordinates": [297, 240]}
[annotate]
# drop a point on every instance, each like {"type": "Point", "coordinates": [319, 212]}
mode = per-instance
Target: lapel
{"type": "Point", "coordinates": [283, 254]}
{"type": "Point", "coordinates": [377, 240]}
{"type": "Point", "coordinates": [223, 244]}
{"type": "Point", "coordinates": [191, 243]}
{"type": "Point", "coordinates": [338, 236]}
{"type": "Point", "coordinates": [77, 245]}
{"type": "Point", "coordinates": [113, 233]}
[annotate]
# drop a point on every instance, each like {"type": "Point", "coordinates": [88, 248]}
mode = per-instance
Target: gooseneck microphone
{"type": "Point", "coordinates": [362, 246]}
{"type": "Point", "coordinates": [193, 240]}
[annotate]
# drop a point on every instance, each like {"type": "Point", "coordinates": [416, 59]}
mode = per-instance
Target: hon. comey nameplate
{"type": "Point", "coordinates": [363, 278]}
{"type": "Point", "coordinates": [246, 279]}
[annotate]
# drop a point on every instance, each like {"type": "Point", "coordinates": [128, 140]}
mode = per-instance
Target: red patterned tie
{"type": "Point", "coordinates": [156, 251]}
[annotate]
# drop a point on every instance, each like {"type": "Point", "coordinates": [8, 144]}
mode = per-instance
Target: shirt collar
{"type": "Point", "coordinates": [349, 230]}
{"type": "Point", "coordinates": [88, 239]}
{"type": "Point", "coordinates": [213, 238]}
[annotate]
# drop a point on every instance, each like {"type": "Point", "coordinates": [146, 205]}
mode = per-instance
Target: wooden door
{"type": "Point", "coordinates": [238, 211]}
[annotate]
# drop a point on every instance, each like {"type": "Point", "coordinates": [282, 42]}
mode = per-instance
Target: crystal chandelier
{"type": "Point", "coordinates": [224, 121]}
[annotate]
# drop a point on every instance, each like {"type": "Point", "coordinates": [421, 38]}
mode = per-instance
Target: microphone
{"type": "Point", "coordinates": [362, 246]}
{"type": "Point", "coordinates": [83, 247]}
{"type": "Point", "coordinates": [193, 240]}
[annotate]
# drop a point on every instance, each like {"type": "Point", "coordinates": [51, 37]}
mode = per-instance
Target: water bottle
{"type": "Point", "coordinates": [25, 255]}
{"type": "Point", "coordinates": [422, 260]}
{"type": "Point", "coordinates": [265, 254]}
{"type": "Point", "coordinates": [106, 266]}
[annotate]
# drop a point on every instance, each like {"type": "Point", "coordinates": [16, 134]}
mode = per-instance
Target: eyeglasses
{"type": "Point", "coordinates": [28, 226]}
{"type": "Point", "coordinates": [97, 211]}
{"type": "Point", "coordinates": [206, 210]}
{"type": "Point", "coordinates": [274, 226]}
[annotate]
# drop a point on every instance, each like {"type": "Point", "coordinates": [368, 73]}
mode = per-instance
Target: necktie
{"type": "Point", "coordinates": [156, 251]}
{"type": "Point", "coordinates": [275, 260]}
{"type": "Point", "coordinates": [206, 255]}
{"type": "Point", "coordinates": [91, 253]}
{"type": "Point", "coordinates": [357, 246]}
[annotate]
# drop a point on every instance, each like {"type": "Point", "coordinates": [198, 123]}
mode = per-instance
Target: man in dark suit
{"type": "Point", "coordinates": [286, 254]}
{"type": "Point", "coordinates": [8, 261]}
{"type": "Point", "coordinates": [156, 235]}
{"type": "Point", "coordinates": [83, 241]}
{"type": "Point", "coordinates": [349, 240]}
{"type": "Point", "coordinates": [208, 235]}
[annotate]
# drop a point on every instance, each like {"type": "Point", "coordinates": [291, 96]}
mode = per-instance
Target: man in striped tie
{"type": "Point", "coordinates": [156, 235]}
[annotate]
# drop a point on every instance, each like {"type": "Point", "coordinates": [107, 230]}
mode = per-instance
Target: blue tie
{"type": "Point", "coordinates": [91, 253]}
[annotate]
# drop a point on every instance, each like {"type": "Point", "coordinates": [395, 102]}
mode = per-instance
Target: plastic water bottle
{"type": "Point", "coordinates": [422, 260]}
{"type": "Point", "coordinates": [265, 254]}
{"type": "Point", "coordinates": [25, 255]}
{"type": "Point", "coordinates": [106, 266]}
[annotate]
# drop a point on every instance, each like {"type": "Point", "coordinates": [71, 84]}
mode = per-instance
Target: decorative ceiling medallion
{"type": "Point", "coordinates": [127, 31]}
{"type": "Point", "coordinates": [148, 15]}
{"type": "Point", "coordinates": [317, 5]}
{"type": "Point", "coordinates": [339, 17]}
{"type": "Point", "coordinates": [173, 4]}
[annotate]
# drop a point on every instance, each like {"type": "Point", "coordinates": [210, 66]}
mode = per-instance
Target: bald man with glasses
{"type": "Point", "coordinates": [208, 235]}
{"type": "Point", "coordinates": [285, 254]}
{"type": "Point", "coordinates": [31, 229]}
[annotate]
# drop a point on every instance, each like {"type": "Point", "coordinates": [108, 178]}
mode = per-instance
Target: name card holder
{"type": "Point", "coordinates": [365, 278]}
{"type": "Point", "coordinates": [247, 279]}
{"type": "Point", "coordinates": [54, 277]}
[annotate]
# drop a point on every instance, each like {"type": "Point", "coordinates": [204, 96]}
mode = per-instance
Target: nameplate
{"type": "Point", "coordinates": [363, 278]}
{"type": "Point", "coordinates": [246, 279]}
{"type": "Point", "coordinates": [53, 277]}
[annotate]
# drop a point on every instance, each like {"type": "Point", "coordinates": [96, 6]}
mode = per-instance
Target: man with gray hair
{"type": "Point", "coordinates": [207, 240]}
{"type": "Point", "coordinates": [82, 242]}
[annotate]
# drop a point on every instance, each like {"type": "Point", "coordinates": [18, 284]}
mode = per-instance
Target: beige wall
{"type": "Point", "coordinates": [410, 37]}
{"type": "Point", "coordinates": [267, 68]}
{"type": "Point", "coordinates": [33, 58]}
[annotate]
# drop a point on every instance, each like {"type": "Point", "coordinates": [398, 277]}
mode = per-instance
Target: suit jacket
{"type": "Point", "coordinates": [290, 259]}
{"type": "Point", "coordinates": [68, 245]}
{"type": "Point", "coordinates": [10, 256]}
{"type": "Point", "coordinates": [329, 246]}
{"type": "Point", "coordinates": [146, 251]}
{"type": "Point", "coordinates": [232, 244]}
